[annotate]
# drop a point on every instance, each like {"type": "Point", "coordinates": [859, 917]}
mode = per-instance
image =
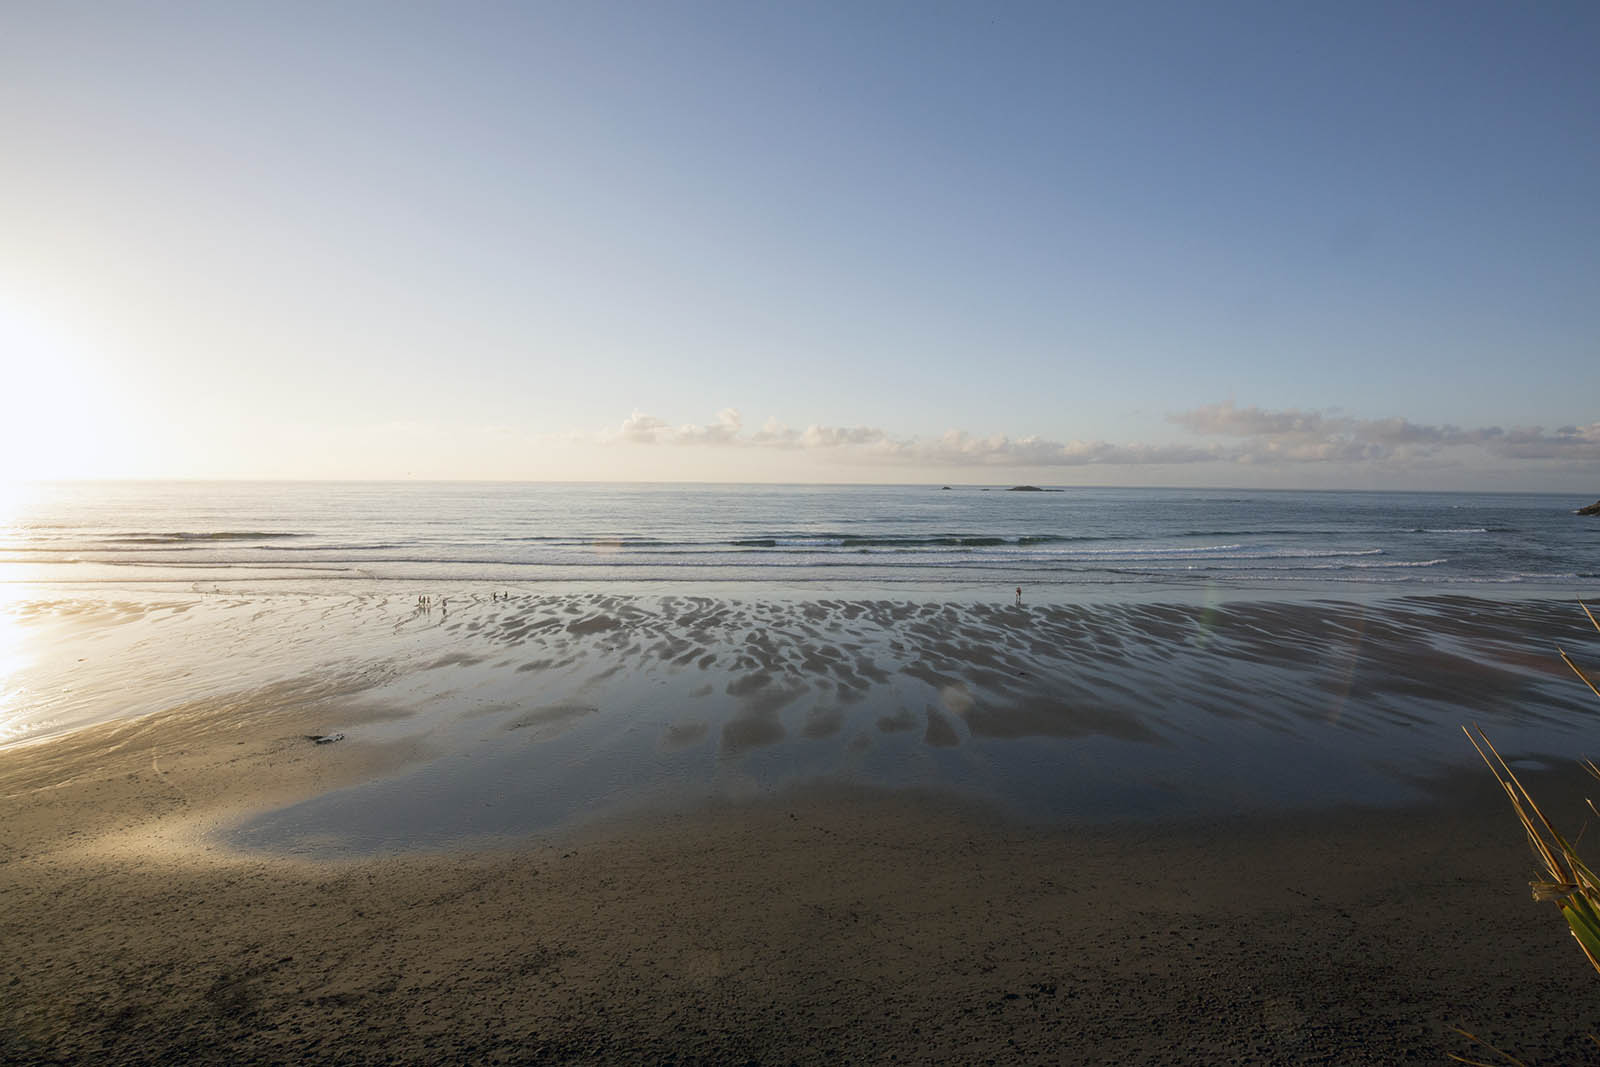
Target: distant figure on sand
{"type": "Point", "coordinates": [1019, 596]}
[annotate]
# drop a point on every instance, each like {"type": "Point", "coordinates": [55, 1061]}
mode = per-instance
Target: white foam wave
{"type": "Point", "coordinates": [1156, 549]}
{"type": "Point", "coordinates": [1318, 553]}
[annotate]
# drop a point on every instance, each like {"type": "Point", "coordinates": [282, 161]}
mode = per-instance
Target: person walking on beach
{"type": "Point", "coordinates": [1019, 596]}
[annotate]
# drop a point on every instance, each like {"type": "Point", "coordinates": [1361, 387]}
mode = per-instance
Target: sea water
{"type": "Point", "coordinates": [1083, 540]}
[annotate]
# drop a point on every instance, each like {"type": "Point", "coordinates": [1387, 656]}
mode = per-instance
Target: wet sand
{"type": "Point", "coordinates": [815, 925]}
{"type": "Point", "coordinates": [1123, 669]}
{"type": "Point", "coordinates": [840, 914]}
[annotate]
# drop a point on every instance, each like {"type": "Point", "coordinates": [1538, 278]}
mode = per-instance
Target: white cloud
{"type": "Point", "coordinates": [1254, 436]}
{"type": "Point", "coordinates": [959, 448]}
{"type": "Point", "coordinates": [1311, 437]}
{"type": "Point", "coordinates": [641, 429]}
{"type": "Point", "coordinates": [1568, 442]}
{"type": "Point", "coordinates": [836, 436]}
{"type": "Point", "coordinates": [724, 431]}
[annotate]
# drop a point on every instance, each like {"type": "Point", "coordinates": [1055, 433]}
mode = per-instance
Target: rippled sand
{"type": "Point", "coordinates": [572, 704]}
{"type": "Point", "coordinates": [632, 828]}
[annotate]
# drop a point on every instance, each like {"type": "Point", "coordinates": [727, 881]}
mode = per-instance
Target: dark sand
{"type": "Point", "coordinates": [815, 926]}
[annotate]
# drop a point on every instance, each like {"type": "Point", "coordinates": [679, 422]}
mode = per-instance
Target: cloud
{"type": "Point", "coordinates": [641, 429]}
{"type": "Point", "coordinates": [956, 447]}
{"type": "Point", "coordinates": [1568, 442]}
{"type": "Point", "coordinates": [1228, 434]}
{"type": "Point", "coordinates": [728, 430]}
{"type": "Point", "coordinates": [721, 432]}
{"type": "Point", "coordinates": [835, 436]}
{"type": "Point", "coordinates": [1310, 437]}
{"type": "Point", "coordinates": [1225, 419]}
{"type": "Point", "coordinates": [960, 448]}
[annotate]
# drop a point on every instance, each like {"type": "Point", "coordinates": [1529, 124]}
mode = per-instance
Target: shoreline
{"type": "Point", "coordinates": [1174, 542]}
{"type": "Point", "coordinates": [46, 628]}
{"type": "Point", "coordinates": [867, 866]}
{"type": "Point", "coordinates": [815, 925]}
{"type": "Point", "coordinates": [1047, 591]}
{"type": "Point", "coordinates": [536, 710]}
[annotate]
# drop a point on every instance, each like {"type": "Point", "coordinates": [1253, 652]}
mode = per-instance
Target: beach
{"type": "Point", "coordinates": [814, 926]}
{"type": "Point", "coordinates": [782, 774]}
{"type": "Point", "coordinates": [729, 830]}
{"type": "Point", "coordinates": [798, 534]}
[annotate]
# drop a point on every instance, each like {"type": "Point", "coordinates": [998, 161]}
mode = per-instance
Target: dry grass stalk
{"type": "Point", "coordinates": [1573, 887]}
{"type": "Point", "coordinates": [1475, 1039]}
{"type": "Point", "coordinates": [1571, 884]}
{"type": "Point", "coordinates": [1568, 661]}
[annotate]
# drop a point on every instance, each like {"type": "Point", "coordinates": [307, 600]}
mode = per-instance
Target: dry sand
{"type": "Point", "coordinates": [822, 925]}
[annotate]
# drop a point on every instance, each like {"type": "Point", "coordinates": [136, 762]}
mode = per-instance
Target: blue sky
{"type": "Point", "coordinates": [1230, 244]}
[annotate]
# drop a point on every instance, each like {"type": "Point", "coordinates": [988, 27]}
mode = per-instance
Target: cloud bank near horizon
{"type": "Point", "coordinates": [1229, 434]}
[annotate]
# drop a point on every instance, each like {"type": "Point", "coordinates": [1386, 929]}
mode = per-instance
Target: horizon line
{"type": "Point", "coordinates": [934, 485]}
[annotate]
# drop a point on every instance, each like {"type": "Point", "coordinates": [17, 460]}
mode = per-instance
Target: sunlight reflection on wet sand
{"type": "Point", "coordinates": [552, 707]}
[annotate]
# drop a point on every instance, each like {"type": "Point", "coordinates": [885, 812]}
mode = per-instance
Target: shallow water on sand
{"type": "Point", "coordinates": [544, 709]}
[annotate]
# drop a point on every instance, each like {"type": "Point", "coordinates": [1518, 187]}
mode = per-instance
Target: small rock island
{"type": "Point", "coordinates": [1592, 509]}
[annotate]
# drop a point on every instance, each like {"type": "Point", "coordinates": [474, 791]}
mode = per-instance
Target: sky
{"type": "Point", "coordinates": [1306, 245]}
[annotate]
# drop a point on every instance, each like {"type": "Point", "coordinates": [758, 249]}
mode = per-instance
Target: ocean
{"type": "Point", "coordinates": [1096, 542]}
{"type": "Point", "coordinates": [552, 653]}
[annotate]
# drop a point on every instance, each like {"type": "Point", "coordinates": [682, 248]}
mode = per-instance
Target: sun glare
{"type": "Point", "coordinates": [15, 495]}
{"type": "Point", "coordinates": [54, 421]}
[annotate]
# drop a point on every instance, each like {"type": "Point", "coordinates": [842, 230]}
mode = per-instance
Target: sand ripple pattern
{"type": "Point", "coordinates": [540, 709]}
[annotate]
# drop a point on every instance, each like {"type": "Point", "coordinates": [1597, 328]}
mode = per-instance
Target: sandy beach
{"type": "Point", "coordinates": [820, 925]}
{"type": "Point", "coordinates": [805, 917]}
{"type": "Point", "coordinates": [748, 534]}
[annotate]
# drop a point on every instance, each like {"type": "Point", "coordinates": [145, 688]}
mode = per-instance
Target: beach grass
{"type": "Point", "coordinates": [1569, 882]}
